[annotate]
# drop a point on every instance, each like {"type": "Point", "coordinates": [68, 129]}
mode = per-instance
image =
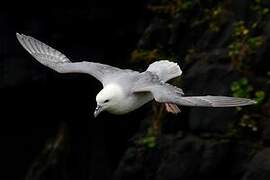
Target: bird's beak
{"type": "Point", "coordinates": [98, 110]}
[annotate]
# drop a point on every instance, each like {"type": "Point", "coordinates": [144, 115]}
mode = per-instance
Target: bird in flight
{"type": "Point", "coordinates": [125, 90]}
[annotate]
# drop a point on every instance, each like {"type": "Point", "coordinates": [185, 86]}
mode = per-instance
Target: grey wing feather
{"type": "Point", "coordinates": [166, 93]}
{"type": "Point", "coordinates": [214, 101]}
{"type": "Point", "coordinates": [57, 61]}
{"type": "Point", "coordinates": [42, 52]}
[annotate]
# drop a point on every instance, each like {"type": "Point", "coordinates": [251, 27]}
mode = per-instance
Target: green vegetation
{"type": "Point", "coordinates": [242, 88]}
{"type": "Point", "coordinates": [172, 8]}
{"type": "Point", "coordinates": [243, 46]}
{"type": "Point", "coordinates": [146, 55]}
{"type": "Point", "coordinates": [260, 96]}
{"type": "Point", "coordinates": [154, 129]}
{"type": "Point", "coordinates": [259, 9]}
{"type": "Point", "coordinates": [213, 17]}
{"type": "Point", "coordinates": [247, 38]}
{"type": "Point", "coordinates": [149, 140]}
{"type": "Point", "coordinates": [248, 119]}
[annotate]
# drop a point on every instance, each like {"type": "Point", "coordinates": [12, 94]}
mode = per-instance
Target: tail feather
{"type": "Point", "coordinates": [165, 69]}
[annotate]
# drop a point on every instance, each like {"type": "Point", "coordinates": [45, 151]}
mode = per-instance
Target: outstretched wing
{"type": "Point", "coordinates": [214, 101]}
{"type": "Point", "coordinates": [166, 93]}
{"type": "Point", "coordinates": [57, 61]}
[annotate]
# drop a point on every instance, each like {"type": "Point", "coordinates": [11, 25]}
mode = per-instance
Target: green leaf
{"type": "Point", "coordinates": [259, 96]}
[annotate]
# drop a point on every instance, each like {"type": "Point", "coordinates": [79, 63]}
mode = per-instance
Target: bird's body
{"type": "Point", "coordinates": [130, 102]}
{"type": "Point", "coordinates": [124, 101]}
{"type": "Point", "coordinates": [125, 90]}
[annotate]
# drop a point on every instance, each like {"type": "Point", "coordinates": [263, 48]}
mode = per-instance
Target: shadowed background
{"type": "Point", "coordinates": [48, 130]}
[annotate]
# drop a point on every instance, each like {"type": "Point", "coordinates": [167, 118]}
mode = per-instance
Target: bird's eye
{"type": "Point", "coordinates": [107, 100]}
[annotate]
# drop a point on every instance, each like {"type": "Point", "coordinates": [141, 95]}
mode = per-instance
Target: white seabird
{"type": "Point", "coordinates": [125, 90]}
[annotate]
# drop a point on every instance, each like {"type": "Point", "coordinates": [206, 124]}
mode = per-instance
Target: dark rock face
{"type": "Point", "coordinates": [259, 167]}
{"type": "Point", "coordinates": [205, 79]}
{"type": "Point", "coordinates": [156, 33]}
{"type": "Point", "coordinates": [188, 157]}
{"type": "Point", "coordinates": [182, 160]}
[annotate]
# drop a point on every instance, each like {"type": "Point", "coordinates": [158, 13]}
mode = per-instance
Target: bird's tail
{"type": "Point", "coordinates": [165, 69]}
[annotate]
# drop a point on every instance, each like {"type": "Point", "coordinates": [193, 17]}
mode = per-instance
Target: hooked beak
{"type": "Point", "coordinates": [98, 110]}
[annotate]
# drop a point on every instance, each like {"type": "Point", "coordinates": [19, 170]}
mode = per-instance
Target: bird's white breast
{"type": "Point", "coordinates": [125, 102]}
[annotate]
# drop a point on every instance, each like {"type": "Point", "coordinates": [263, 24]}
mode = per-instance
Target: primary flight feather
{"type": "Point", "coordinates": [125, 90]}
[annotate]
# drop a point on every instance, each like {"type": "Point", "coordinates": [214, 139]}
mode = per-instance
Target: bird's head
{"type": "Point", "coordinates": [108, 98]}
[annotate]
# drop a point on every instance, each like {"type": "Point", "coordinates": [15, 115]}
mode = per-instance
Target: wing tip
{"type": "Point", "coordinates": [243, 102]}
{"type": "Point", "coordinates": [246, 101]}
{"type": "Point", "coordinates": [252, 102]}
{"type": "Point", "coordinates": [18, 35]}
{"type": "Point", "coordinates": [21, 36]}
